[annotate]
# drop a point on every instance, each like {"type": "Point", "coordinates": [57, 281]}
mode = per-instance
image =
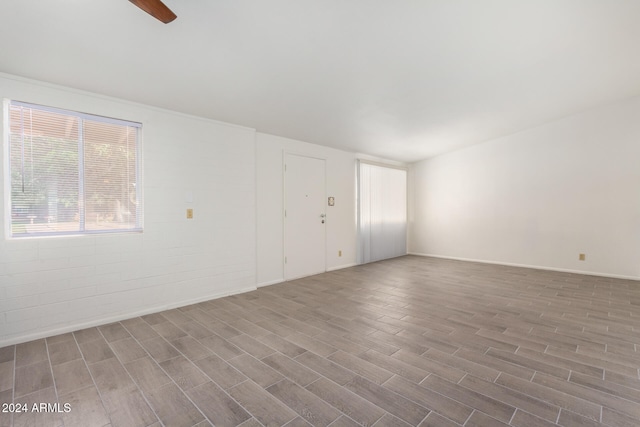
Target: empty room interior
{"type": "Point", "coordinates": [328, 213]}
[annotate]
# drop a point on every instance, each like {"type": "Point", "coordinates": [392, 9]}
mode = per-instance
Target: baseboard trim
{"type": "Point", "coordinates": [269, 283]}
{"type": "Point", "coordinates": [340, 267]}
{"type": "Point", "coordinates": [276, 281]}
{"type": "Point", "coordinates": [536, 267]}
{"type": "Point", "coordinates": [124, 316]}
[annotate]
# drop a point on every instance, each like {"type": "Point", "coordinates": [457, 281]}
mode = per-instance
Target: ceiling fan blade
{"type": "Point", "coordinates": [157, 9]}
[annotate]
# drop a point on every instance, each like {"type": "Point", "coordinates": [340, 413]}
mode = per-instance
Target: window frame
{"type": "Point", "coordinates": [6, 173]}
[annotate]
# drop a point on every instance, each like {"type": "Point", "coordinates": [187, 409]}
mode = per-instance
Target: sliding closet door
{"type": "Point", "coordinates": [382, 212]}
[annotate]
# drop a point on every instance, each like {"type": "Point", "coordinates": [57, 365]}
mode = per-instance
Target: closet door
{"type": "Point", "coordinates": [382, 212]}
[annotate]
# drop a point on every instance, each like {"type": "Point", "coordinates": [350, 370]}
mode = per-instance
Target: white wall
{"type": "Point", "coordinates": [56, 284]}
{"type": "Point", "coordinates": [341, 218]}
{"type": "Point", "coordinates": [539, 197]}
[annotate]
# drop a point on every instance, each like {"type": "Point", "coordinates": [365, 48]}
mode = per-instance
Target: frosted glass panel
{"type": "Point", "coordinates": [382, 212]}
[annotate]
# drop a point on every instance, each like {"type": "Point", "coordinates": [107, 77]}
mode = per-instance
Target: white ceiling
{"type": "Point", "coordinates": [401, 79]}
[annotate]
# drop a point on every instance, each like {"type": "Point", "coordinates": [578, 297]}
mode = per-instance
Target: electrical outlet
{"type": "Point", "coordinates": [189, 213]}
{"type": "Point", "coordinates": [339, 253]}
{"type": "Point", "coordinates": [582, 257]}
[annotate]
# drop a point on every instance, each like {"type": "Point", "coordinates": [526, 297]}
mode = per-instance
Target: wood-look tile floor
{"type": "Point", "coordinates": [408, 341]}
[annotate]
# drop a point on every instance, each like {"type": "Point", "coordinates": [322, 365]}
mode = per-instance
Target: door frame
{"type": "Point", "coordinates": [286, 153]}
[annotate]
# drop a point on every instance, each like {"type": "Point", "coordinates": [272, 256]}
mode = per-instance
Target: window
{"type": "Point", "coordinates": [382, 209]}
{"type": "Point", "coordinates": [71, 173]}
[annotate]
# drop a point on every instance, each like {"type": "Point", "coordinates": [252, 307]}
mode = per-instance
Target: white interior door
{"type": "Point", "coordinates": [304, 229]}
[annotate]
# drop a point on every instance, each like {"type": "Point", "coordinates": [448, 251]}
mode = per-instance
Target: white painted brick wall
{"type": "Point", "coordinates": [56, 284]}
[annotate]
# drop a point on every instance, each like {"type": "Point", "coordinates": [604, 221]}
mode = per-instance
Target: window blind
{"type": "Point", "coordinates": [71, 172]}
{"type": "Point", "coordinates": [382, 212]}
